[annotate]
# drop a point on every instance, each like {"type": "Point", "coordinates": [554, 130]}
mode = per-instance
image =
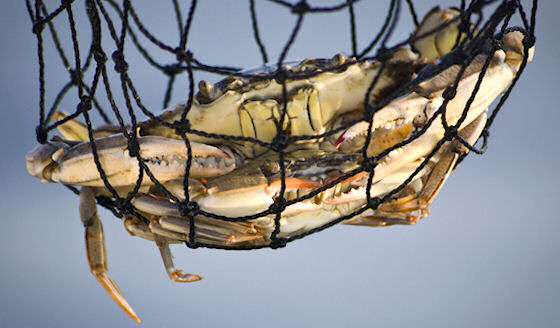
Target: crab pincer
{"type": "Point", "coordinates": [165, 158]}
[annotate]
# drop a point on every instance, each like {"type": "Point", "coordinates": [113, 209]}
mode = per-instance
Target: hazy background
{"type": "Point", "coordinates": [486, 256]}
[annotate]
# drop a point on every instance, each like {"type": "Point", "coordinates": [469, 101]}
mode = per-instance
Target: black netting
{"type": "Point", "coordinates": [490, 21]}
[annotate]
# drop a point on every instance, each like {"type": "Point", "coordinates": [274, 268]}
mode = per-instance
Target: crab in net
{"type": "Point", "coordinates": [345, 163]}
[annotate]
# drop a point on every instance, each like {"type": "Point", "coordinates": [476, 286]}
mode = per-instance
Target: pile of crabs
{"type": "Point", "coordinates": [408, 137]}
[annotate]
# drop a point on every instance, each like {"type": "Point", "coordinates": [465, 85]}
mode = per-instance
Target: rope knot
{"type": "Point", "coordinates": [529, 41]}
{"type": "Point", "coordinates": [99, 56]}
{"type": "Point", "coordinates": [300, 8]}
{"type": "Point", "coordinates": [369, 111]}
{"type": "Point", "coordinates": [369, 163]}
{"type": "Point", "coordinates": [450, 133]}
{"type": "Point", "coordinates": [279, 205]}
{"type": "Point", "coordinates": [182, 127]}
{"type": "Point", "coordinates": [458, 57]}
{"type": "Point", "coordinates": [279, 143]}
{"type": "Point", "coordinates": [133, 145]}
{"type": "Point", "coordinates": [281, 76]}
{"type": "Point", "coordinates": [383, 54]}
{"type": "Point", "coordinates": [189, 209]}
{"type": "Point", "coordinates": [124, 206]}
{"type": "Point", "coordinates": [373, 202]}
{"type": "Point", "coordinates": [84, 105]}
{"type": "Point", "coordinates": [66, 3]}
{"type": "Point", "coordinates": [42, 133]}
{"type": "Point", "coordinates": [183, 56]}
{"type": "Point", "coordinates": [74, 76]}
{"type": "Point", "coordinates": [38, 26]}
{"type": "Point", "coordinates": [464, 25]}
{"type": "Point", "coordinates": [449, 93]}
{"type": "Point", "coordinates": [121, 66]}
{"type": "Point", "coordinates": [172, 69]}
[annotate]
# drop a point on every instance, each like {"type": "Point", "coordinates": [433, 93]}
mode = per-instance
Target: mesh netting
{"type": "Point", "coordinates": [482, 37]}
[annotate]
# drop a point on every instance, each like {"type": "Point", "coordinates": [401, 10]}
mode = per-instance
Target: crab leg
{"type": "Point", "coordinates": [408, 209]}
{"type": "Point", "coordinates": [174, 273]}
{"type": "Point", "coordinates": [414, 110]}
{"type": "Point", "coordinates": [449, 158]}
{"type": "Point", "coordinates": [138, 228]}
{"type": "Point", "coordinates": [95, 247]}
{"type": "Point", "coordinates": [435, 45]}
{"type": "Point", "coordinates": [167, 222]}
{"type": "Point", "coordinates": [75, 130]}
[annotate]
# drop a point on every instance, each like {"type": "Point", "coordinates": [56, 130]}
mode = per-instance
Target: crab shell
{"type": "Point", "coordinates": [252, 189]}
{"type": "Point", "coordinates": [252, 107]}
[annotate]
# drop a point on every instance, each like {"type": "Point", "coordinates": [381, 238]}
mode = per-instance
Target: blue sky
{"type": "Point", "coordinates": [486, 256]}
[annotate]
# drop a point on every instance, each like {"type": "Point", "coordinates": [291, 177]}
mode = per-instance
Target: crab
{"type": "Point", "coordinates": [243, 180]}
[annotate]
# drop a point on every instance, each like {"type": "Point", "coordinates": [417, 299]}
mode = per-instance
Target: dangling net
{"type": "Point", "coordinates": [112, 23]}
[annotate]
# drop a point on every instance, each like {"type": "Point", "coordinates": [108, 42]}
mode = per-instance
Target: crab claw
{"type": "Point", "coordinates": [165, 158]}
{"type": "Point", "coordinates": [251, 199]}
{"type": "Point", "coordinates": [253, 188]}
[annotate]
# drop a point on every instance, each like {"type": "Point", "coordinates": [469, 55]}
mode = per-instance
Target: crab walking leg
{"type": "Point", "coordinates": [435, 45]}
{"type": "Point", "coordinates": [75, 130]}
{"type": "Point", "coordinates": [171, 225]}
{"type": "Point", "coordinates": [72, 130]}
{"type": "Point", "coordinates": [402, 210]}
{"type": "Point", "coordinates": [449, 158]}
{"type": "Point", "coordinates": [137, 228]}
{"type": "Point", "coordinates": [140, 229]}
{"type": "Point", "coordinates": [174, 273]}
{"type": "Point", "coordinates": [95, 247]}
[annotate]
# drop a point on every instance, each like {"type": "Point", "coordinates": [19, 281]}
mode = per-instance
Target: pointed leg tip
{"type": "Point", "coordinates": [112, 289]}
{"type": "Point", "coordinates": [135, 317]}
{"type": "Point", "coordinates": [179, 276]}
{"type": "Point", "coordinates": [195, 277]}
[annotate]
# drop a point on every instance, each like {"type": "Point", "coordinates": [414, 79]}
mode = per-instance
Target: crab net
{"type": "Point", "coordinates": [105, 66]}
